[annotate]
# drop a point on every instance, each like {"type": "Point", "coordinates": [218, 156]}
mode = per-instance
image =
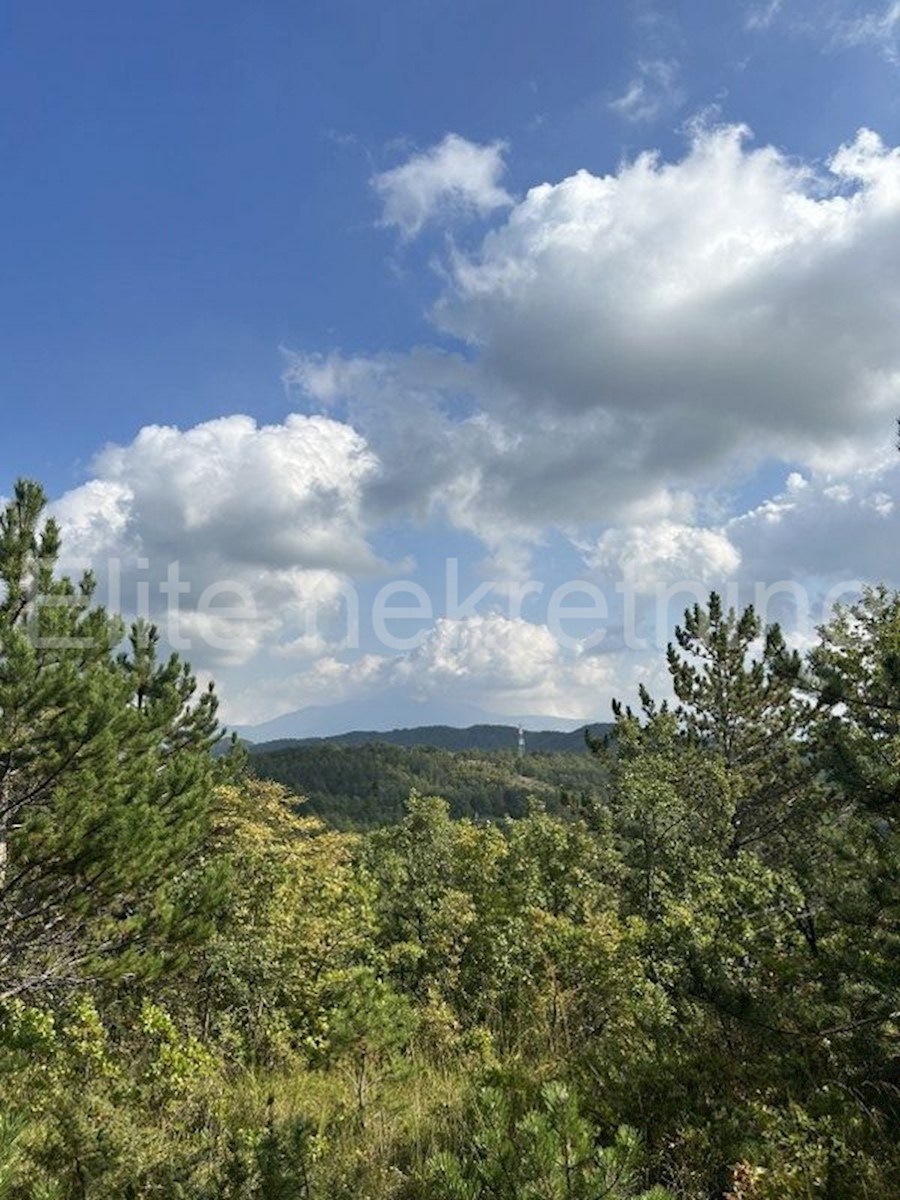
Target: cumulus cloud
{"type": "Point", "coordinates": [627, 337]}
{"type": "Point", "coordinates": [793, 555]}
{"type": "Point", "coordinates": [654, 89]}
{"type": "Point", "coordinates": [265, 521]}
{"type": "Point", "coordinates": [492, 664]}
{"type": "Point", "coordinates": [271, 496]}
{"type": "Point", "coordinates": [509, 664]}
{"type": "Point", "coordinates": [828, 528]}
{"type": "Point", "coordinates": [455, 177]}
{"type": "Point", "coordinates": [510, 653]}
{"type": "Point", "coordinates": [714, 287]}
{"type": "Point", "coordinates": [668, 550]}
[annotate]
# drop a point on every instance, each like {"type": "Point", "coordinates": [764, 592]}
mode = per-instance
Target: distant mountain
{"type": "Point", "coordinates": [391, 710]}
{"type": "Point", "coordinates": [447, 737]}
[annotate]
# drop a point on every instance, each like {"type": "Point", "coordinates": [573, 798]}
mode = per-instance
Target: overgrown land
{"type": "Point", "coordinates": [684, 983]}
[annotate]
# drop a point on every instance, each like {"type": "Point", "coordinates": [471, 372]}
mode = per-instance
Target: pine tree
{"type": "Point", "coordinates": [105, 770]}
{"type": "Point", "coordinates": [856, 678]}
{"type": "Point", "coordinates": [855, 671]}
{"type": "Point", "coordinates": [736, 684]}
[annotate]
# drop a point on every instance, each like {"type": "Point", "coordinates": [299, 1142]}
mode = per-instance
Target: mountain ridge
{"type": "Point", "coordinates": [393, 709]}
{"type": "Point", "coordinates": [481, 736]}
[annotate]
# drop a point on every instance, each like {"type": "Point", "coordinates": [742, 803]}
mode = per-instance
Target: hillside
{"type": "Point", "coordinates": [449, 737]}
{"type": "Point", "coordinates": [367, 784]}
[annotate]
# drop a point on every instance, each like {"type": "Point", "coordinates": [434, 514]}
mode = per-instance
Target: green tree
{"type": "Point", "coordinates": [424, 916]}
{"type": "Point", "coordinates": [741, 703]}
{"type": "Point", "coordinates": [293, 916]}
{"type": "Point", "coordinates": [105, 770]}
{"type": "Point", "coordinates": [547, 1152]}
{"type": "Point", "coordinates": [855, 672]}
{"type": "Point", "coordinates": [855, 676]}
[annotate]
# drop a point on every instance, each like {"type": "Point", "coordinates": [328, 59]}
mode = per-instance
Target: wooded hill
{"type": "Point", "coordinates": [363, 785]}
{"type": "Point", "coordinates": [449, 737]}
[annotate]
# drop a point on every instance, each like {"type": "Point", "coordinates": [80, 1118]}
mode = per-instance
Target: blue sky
{"type": "Point", "coordinates": [327, 209]}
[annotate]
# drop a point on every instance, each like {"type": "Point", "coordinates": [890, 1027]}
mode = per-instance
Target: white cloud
{"type": "Point", "coordinates": [509, 653]}
{"type": "Point", "coordinates": [818, 531]}
{"type": "Point", "coordinates": [274, 495]}
{"type": "Point", "coordinates": [875, 28]}
{"type": "Point", "coordinates": [493, 664]}
{"type": "Point", "coordinates": [654, 89]}
{"type": "Point", "coordinates": [830, 529]}
{"type": "Point", "coordinates": [511, 665]}
{"type": "Point", "coordinates": [631, 336]}
{"type": "Point", "coordinates": [94, 517]}
{"type": "Point", "coordinates": [762, 16]}
{"type": "Point", "coordinates": [455, 177]}
{"type": "Point", "coordinates": [326, 680]}
{"type": "Point", "coordinates": [264, 520]}
{"type": "Point", "coordinates": [668, 550]}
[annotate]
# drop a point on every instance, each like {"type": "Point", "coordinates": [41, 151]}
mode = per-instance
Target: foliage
{"type": "Point", "coordinates": [104, 774]}
{"type": "Point", "coordinates": [293, 914]}
{"type": "Point", "coordinates": [546, 1153]}
{"type": "Point", "coordinates": [743, 708]}
{"type": "Point", "coordinates": [368, 785]}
